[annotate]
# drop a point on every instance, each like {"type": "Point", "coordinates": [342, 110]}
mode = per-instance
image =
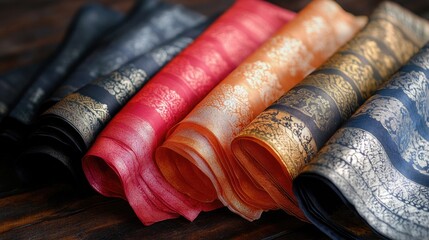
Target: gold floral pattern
{"type": "Point", "coordinates": [163, 99]}
{"type": "Point", "coordinates": [355, 68]}
{"type": "Point", "coordinates": [123, 83]}
{"type": "Point", "coordinates": [293, 140]}
{"type": "Point", "coordinates": [260, 77]}
{"type": "Point", "coordinates": [232, 100]}
{"type": "Point", "coordinates": [349, 77]}
{"type": "Point", "coordinates": [283, 51]}
{"type": "Point", "coordinates": [84, 113]}
{"type": "Point", "coordinates": [191, 74]}
{"type": "Point", "coordinates": [336, 87]}
{"type": "Point", "coordinates": [314, 106]}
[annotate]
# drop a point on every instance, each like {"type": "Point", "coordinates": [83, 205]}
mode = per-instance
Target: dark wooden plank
{"type": "Point", "coordinates": [59, 212]}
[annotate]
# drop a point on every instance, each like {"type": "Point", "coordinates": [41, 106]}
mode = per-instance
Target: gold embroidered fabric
{"type": "Point", "coordinates": [284, 137]}
{"type": "Point", "coordinates": [376, 166]}
{"type": "Point", "coordinates": [197, 159]}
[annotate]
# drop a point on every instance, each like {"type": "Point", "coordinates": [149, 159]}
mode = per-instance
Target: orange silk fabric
{"type": "Point", "coordinates": [197, 159]}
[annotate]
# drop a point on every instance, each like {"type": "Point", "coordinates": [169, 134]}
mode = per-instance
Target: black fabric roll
{"type": "Point", "coordinates": [90, 23]}
{"type": "Point", "coordinates": [162, 23]}
{"type": "Point", "coordinates": [65, 131]}
{"type": "Point", "coordinates": [12, 85]}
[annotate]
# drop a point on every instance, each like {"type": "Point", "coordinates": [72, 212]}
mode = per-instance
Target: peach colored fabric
{"type": "Point", "coordinates": [197, 159]}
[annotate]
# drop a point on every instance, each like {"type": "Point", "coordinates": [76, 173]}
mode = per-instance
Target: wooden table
{"type": "Point", "coordinates": [29, 32]}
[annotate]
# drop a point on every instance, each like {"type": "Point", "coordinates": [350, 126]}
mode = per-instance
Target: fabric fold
{"type": "Point", "coordinates": [155, 25]}
{"type": "Point", "coordinates": [121, 161]}
{"type": "Point", "coordinates": [65, 131]}
{"type": "Point", "coordinates": [196, 157]}
{"type": "Point", "coordinates": [376, 166]}
{"type": "Point", "coordinates": [275, 146]}
{"type": "Point", "coordinates": [87, 28]}
{"type": "Point", "coordinates": [13, 84]}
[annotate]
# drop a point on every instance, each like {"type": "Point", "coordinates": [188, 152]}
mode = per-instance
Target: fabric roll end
{"type": "Point", "coordinates": [105, 174]}
{"type": "Point", "coordinates": [261, 161]}
{"type": "Point", "coordinates": [175, 166]}
{"type": "Point", "coordinates": [42, 164]}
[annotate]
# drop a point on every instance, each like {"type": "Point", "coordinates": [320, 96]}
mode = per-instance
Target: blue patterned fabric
{"type": "Point", "coordinates": [377, 163]}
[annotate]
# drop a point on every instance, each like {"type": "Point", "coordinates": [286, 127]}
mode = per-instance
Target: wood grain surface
{"type": "Point", "coordinates": [29, 32]}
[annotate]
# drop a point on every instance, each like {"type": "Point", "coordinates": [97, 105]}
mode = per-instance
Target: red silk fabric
{"type": "Point", "coordinates": [121, 161]}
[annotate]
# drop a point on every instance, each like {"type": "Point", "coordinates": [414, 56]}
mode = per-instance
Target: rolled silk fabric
{"type": "Point", "coordinates": [121, 161]}
{"type": "Point", "coordinates": [65, 131]}
{"type": "Point", "coordinates": [376, 166]}
{"type": "Point", "coordinates": [197, 159]}
{"type": "Point", "coordinates": [89, 24]}
{"type": "Point", "coordinates": [157, 25]}
{"type": "Point", "coordinates": [12, 85]}
{"type": "Point", "coordinates": [282, 139]}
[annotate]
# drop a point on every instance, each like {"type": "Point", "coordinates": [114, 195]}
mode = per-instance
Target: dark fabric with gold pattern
{"type": "Point", "coordinates": [162, 23]}
{"type": "Point", "coordinates": [298, 124]}
{"type": "Point", "coordinates": [376, 166]}
{"type": "Point", "coordinates": [65, 131]}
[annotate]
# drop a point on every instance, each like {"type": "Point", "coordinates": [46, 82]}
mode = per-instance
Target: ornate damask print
{"type": "Point", "coordinates": [123, 83]}
{"type": "Point", "coordinates": [336, 87]}
{"type": "Point", "coordinates": [86, 114]}
{"type": "Point", "coordinates": [163, 99]}
{"type": "Point", "coordinates": [314, 106]}
{"type": "Point", "coordinates": [353, 67]}
{"type": "Point", "coordinates": [415, 28]}
{"type": "Point", "coordinates": [392, 115]}
{"type": "Point", "coordinates": [397, 121]}
{"type": "Point", "coordinates": [415, 85]}
{"type": "Point", "coordinates": [293, 140]}
{"type": "Point", "coordinates": [417, 153]}
{"type": "Point", "coordinates": [232, 100]}
{"type": "Point", "coordinates": [379, 160]}
{"type": "Point", "coordinates": [282, 51]}
{"type": "Point", "coordinates": [260, 77]}
{"type": "Point", "coordinates": [370, 49]}
{"type": "Point", "coordinates": [372, 184]}
{"type": "Point", "coordinates": [191, 74]}
{"type": "Point", "coordinates": [399, 45]}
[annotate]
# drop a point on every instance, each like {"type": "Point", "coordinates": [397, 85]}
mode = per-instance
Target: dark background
{"type": "Point", "coordinates": [29, 32]}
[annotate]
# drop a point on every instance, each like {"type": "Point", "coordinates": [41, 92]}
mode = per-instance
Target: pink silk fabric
{"type": "Point", "coordinates": [121, 161]}
{"type": "Point", "coordinates": [197, 157]}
